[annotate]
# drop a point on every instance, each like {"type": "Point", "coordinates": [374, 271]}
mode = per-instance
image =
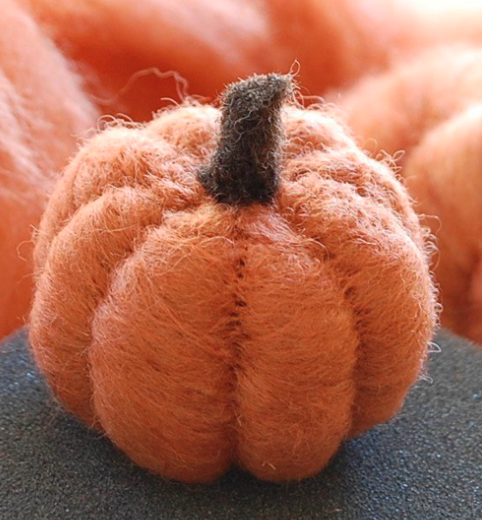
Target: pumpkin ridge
{"type": "Point", "coordinates": [142, 232]}
{"type": "Point", "coordinates": [169, 205]}
{"type": "Point", "coordinates": [137, 245]}
{"type": "Point", "coordinates": [139, 170]}
{"type": "Point", "coordinates": [386, 188]}
{"type": "Point", "coordinates": [330, 259]}
{"type": "Point", "coordinates": [106, 326]}
{"type": "Point", "coordinates": [299, 221]}
{"type": "Point", "coordinates": [348, 293]}
{"type": "Point", "coordinates": [306, 412]}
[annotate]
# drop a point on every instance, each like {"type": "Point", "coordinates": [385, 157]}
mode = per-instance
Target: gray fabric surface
{"type": "Point", "coordinates": [424, 465]}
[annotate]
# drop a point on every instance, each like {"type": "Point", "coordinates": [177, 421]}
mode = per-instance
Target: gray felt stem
{"type": "Point", "coordinates": [244, 167]}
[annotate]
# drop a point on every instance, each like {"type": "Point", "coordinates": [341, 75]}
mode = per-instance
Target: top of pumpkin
{"type": "Point", "coordinates": [244, 166]}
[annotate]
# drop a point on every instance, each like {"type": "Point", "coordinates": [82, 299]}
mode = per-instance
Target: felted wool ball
{"type": "Point", "coordinates": [43, 111]}
{"type": "Point", "coordinates": [236, 286]}
{"type": "Point", "coordinates": [434, 117]}
{"type": "Point", "coordinates": [134, 50]}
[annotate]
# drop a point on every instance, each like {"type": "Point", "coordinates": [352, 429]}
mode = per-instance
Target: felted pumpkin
{"type": "Point", "coordinates": [43, 111]}
{"type": "Point", "coordinates": [435, 117]}
{"type": "Point", "coordinates": [240, 286]}
{"type": "Point", "coordinates": [133, 51]}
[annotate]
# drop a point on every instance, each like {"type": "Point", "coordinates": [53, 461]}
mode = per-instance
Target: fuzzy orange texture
{"type": "Point", "coordinates": [42, 111]}
{"type": "Point", "coordinates": [199, 335]}
{"type": "Point", "coordinates": [214, 42]}
{"type": "Point", "coordinates": [432, 109]}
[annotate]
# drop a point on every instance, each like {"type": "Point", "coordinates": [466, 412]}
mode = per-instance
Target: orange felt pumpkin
{"type": "Point", "coordinates": [238, 287]}
{"type": "Point", "coordinates": [43, 111]}
{"type": "Point", "coordinates": [436, 119]}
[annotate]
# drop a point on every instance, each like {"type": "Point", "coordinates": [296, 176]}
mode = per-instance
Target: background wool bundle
{"type": "Point", "coordinates": [211, 43]}
{"type": "Point", "coordinates": [134, 52]}
{"type": "Point", "coordinates": [43, 110]}
{"type": "Point", "coordinates": [431, 108]}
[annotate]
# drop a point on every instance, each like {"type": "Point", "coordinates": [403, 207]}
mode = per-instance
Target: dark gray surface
{"type": "Point", "coordinates": [425, 464]}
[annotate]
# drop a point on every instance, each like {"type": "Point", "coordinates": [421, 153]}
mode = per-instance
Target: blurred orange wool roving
{"type": "Point", "coordinates": [240, 286]}
{"type": "Point", "coordinates": [134, 50]}
{"type": "Point", "coordinates": [128, 46]}
{"type": "Point", "coordinates": [431, 108]}
{"type": "Point", "coordinates": [42, 111]}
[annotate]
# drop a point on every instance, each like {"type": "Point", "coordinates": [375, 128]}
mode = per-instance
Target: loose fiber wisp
{"type": "Point", "coordinates": [231, 287]}
{"type": "Point", "coordinates": [431, 108]}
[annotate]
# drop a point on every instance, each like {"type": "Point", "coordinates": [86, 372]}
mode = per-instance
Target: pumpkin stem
{"type": "Point", "coordinates": [244, 167]}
